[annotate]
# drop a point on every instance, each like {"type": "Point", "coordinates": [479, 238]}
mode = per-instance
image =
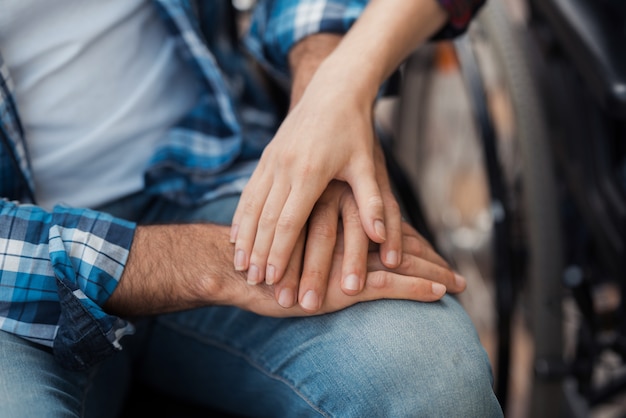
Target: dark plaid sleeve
{"type": "Point", "coordinates": [460, 14]}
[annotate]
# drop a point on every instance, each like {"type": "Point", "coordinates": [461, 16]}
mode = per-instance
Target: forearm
{"type": "Point", "coordinates": [379, 41]}
{"type": "Point", "coordinates": [175, 267]}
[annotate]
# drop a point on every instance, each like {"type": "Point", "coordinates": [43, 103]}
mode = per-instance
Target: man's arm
{"type": "Point", "coordinates": [175, 267]}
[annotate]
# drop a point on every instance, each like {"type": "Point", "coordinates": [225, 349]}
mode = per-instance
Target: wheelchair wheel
{"type": "Point", "coordinates": [493, 210]}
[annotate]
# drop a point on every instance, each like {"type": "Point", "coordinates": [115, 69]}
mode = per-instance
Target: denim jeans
{"type": "Point", "coordinates": [388, 358]}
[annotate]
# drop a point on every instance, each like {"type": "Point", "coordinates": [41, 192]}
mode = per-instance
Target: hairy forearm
{"type": "Point", "coordinates": [175, 267]}
{"type": "Point", "coordinates": [178, 267]}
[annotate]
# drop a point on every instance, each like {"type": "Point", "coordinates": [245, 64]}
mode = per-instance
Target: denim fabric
{"type": "Point", "coordinates": [376, 359]}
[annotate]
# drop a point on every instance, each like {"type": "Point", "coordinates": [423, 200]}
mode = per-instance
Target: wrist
{"type": "Point", "coordinates": [340, 75]}
{"type": "Point", "coordinates": [315, 60]}
{"type": "Point", "coordinates": [174, 267]}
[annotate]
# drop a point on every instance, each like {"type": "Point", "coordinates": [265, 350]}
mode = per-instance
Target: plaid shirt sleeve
{"type": "Point", "coordinates": [58, 269]}
{"type": "Point", "coordinates": [277, 25]}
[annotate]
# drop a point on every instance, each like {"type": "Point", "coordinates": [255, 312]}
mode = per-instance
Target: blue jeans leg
{"type": "Point", "coordinates": [32, 384]}
{"type": "Point", "coordinates": [375, 359]}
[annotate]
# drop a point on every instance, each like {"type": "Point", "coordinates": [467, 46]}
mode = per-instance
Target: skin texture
{"type": "Point", "coordinates": [328, 135]}
{"type": "Point", "coordinates": [164, 274]}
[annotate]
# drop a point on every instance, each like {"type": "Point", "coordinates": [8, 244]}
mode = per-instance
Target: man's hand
{"type": "Point", "coordinates": [176, 267]}
{"type": "Point", "coordinates": [408, 281]}
{"type": "Point", "coordinates": [335, 213]}
{"type": "Point", "coordinates": [330, 252]}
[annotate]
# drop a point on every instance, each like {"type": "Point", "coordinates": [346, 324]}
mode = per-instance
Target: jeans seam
{"type": "Point", "coordinates": [223, 346]}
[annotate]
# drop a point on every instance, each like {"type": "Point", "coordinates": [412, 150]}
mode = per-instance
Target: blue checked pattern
{"type": "Point", "coordinates": [58, 268]}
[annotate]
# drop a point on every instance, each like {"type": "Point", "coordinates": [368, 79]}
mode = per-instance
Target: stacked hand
{"type": "Point", "coordinates": [165, 273]}
{"type": "Point", "coordinates": [326, 136]}
{"type": "Point", "coordinates": [321, 281]}
{"type": "Point", "coordinates": [422, 276]}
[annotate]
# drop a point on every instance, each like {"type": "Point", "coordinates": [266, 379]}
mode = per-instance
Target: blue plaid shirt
{"type": "Point", "coordinates": [58, 268]}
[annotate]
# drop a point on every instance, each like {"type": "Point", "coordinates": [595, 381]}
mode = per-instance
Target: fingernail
{"type": "Point", "coordinates": [240, 260]}
{"type": "Point", "coordinates": [270, 274]}
{"type": "Point", "coordinates": [233, 233]}
{"type": "Point", "coordinates": [253, 274]}
{"type": "Point", "coordinates": [379, 226]}
{"type": "Point", "coordinates": [285, 298]}
{"type": "Point", "coordinates": [351, 282]}
{"type": "Point", "coordinates": [310, 301]}
{"type": "Point", "coordinates": [438, 289]}
{"type": "Point", "coordinates": [459, 280]}
{"type": "Point", "coordinates": [392, 257]}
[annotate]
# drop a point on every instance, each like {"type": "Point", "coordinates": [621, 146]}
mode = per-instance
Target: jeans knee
{"type": "Point", "coordinates": [410, 359]}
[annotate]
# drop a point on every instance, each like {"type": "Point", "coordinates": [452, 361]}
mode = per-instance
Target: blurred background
{"type": "Point", "coordinates": [511, 140]}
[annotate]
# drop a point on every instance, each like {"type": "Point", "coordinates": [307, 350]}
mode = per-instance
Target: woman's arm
{"type": "Point", "coordinates": [329, 135]}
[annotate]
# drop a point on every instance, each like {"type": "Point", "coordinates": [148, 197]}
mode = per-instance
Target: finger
{"type": "Point", "coordinates": [420, 267]}
{"type": "Point", "coordinates": [391, 249]}
{"type": "Point", "coordinates": [265, 233]}
{"type": "Point", "coordinates": [388, 285]}
{"type": "Point", "coordinates": [294, 215]}
{"type": "Point", "coordinates": [355, 248]}
{"type": "Point", "coordinates": [414, 243]}
{"type": "Point", "coordinates": [286, 291]}
{"type": "Point", "coordinates": [247, 193]}
{"type": "Point", "coordinates": [362, 180]}
{"type": "Point", "coordinates": [247, 217]}
{"type": "Point", "coordinates": [318, 256]}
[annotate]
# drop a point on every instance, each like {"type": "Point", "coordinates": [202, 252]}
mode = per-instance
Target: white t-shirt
{"type": "Point", "coordinates": [97, 83]}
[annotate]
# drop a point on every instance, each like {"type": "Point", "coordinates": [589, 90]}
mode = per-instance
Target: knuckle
{"type": "Point", "coordinates": [288, 158]}
{"type": "Point", "coordinates": [323, 230]}
{"type": "Point", "coordinates": [418, 249]}
{"type": "Point", "coordinates": [419, 288]}
{"type": "Point", "coordinates": [407, 264]}
{"type": "Point", "coordinates": [375, 202]}
{"type": "Point", "coordinates": [250, 205]}
{"type": "Point", "coordinates": [379, 281]}
{"type": "Point", "coordinates": [259, 256]}
{"type": "Point", "coordinates": [286, 222]}
{"type": "Point", "coordinates": [352, 218]}
{"type": "Point", "coordinates": [313, 278]}
{"type": "Point", "coordinates": [393, 206]}
{"type": "Point", "coordinates": [267, 219]}
{"type": "Point", "coordinates": [307, 169]}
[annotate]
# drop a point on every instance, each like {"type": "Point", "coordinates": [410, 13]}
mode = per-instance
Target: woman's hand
{"type": "Point", "coordinates": [328, 135]}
